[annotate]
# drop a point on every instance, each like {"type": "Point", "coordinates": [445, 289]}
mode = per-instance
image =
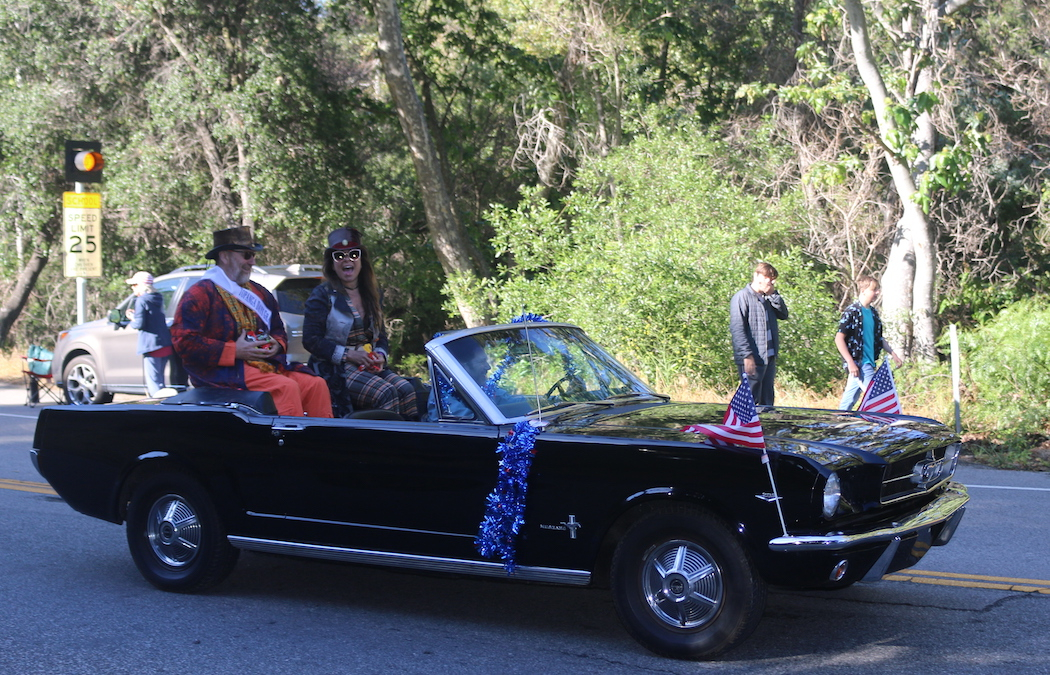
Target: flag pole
{"type": "Point", "coordinates": [742, 426]}
{"type": "Point", "coordinates": [776, 497]}
{"type": "Point", "coordinates": [769, 468]}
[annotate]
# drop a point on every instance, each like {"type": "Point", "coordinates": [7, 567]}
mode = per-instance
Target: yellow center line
{"type": "Point", "coordinates": [27, 486]}
{"type": "Point", "coordinates": [971, 581]}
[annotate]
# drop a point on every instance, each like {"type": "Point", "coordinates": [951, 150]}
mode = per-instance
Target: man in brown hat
{"type": "Point", "coordinates": [229, 333]}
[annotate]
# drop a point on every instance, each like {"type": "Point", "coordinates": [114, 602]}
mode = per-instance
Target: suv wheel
{"type": "Point", "coordinates": [82, 384]}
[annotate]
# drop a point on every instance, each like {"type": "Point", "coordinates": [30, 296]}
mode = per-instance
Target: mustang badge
{"type": "Point", "coordinates": [571, 525]}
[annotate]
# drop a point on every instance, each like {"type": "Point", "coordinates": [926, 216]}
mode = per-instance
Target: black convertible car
{"type": "Point", "coordinates": [541, 459]}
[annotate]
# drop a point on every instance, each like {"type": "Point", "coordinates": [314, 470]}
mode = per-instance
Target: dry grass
{"type": "Point", "coordinates": [795, 398]}
{"type": "Point", "coordinates": [920, 395]}
{"type": "Point", "coordinates": [10, 369]}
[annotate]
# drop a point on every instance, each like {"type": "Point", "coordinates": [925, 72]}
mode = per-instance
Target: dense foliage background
{"type": "Point", "coordinates": [619, 164]}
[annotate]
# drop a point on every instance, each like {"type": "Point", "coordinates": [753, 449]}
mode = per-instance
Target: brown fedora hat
{"type": "Point", "coordinates": [232, 239]}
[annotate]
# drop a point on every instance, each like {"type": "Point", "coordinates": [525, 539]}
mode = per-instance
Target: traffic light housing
{"type": "Point", "coordinates": [84, 161]}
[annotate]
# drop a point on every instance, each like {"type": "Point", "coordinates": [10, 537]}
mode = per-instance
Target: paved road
{"type": "Point", "coordinates": [72, 602]}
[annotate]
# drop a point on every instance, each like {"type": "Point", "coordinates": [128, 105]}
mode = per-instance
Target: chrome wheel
{"type": "Point", "coordinates": [174, 531]}
{"type": "Point", "coordinates": [682, 584]}
{"type": "Point", "coordinates": [175, 535]}
{"type": "Point", "coordinates": [82, 383]}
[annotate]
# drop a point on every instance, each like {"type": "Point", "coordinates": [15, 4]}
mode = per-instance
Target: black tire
{"type": "Point", "coordinates": [82, 384]}
{"type": "Point", "coordinates": [683, 585]}
{"type": "Point", "coordinates": [176, 537]}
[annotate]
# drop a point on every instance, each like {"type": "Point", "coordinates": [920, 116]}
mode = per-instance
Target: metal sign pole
{"type": "Point", "coordinates": [954, 341]}
{"type": "Point", "coordinates": [81, 281]}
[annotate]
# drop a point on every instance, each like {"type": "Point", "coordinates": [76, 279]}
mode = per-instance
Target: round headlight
{"type": "Point", "coordinates": [832, 495]}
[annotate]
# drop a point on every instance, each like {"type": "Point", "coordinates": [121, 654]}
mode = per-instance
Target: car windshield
{"type": "Point", "coordinates": [535, 367]}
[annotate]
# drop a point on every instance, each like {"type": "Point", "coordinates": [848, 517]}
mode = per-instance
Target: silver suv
{"type": "Point", "coordinates": [97, 359]}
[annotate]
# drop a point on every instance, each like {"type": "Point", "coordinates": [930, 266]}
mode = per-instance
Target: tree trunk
{"type": "Point", "coordinates": [220, 185]}
{"type": "Point", "coordinates": [245, 176]}
{"type": "Point", "coordinates": [908, 281]}
{"type": "Point", "coordinates": [459, 259]}
{"type": "Point", "coordinates": [16, 301]}
{"type": "Point", "coordinates": [925, 137]}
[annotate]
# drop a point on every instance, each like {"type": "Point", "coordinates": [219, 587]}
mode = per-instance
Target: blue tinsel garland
{"type": "Point", "coordinates": [493, 381]}
{"type": "Point", "coordinates": [505, 506]}
{"type": "Point", "coordinates": [526, 316]}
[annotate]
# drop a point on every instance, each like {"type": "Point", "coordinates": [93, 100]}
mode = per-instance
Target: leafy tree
{"type": "Point", "coordinates": [609, 60]}
{"type": "Point", "coordinates": [648, 251]}
{"type": "Point", "coordinates": [245, 113]}
{"type": "Point", "coordinates": [908, 137]}
{"type": "Point", "coordinates": [60, 83]}
{"type": "Point", "coordinates": [903, 151]}
{"type": "Point", "coordinates": [458, 256]}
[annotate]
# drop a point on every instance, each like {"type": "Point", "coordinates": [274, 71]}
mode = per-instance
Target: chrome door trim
{"type": "Point", "coordinates": [409, 561]}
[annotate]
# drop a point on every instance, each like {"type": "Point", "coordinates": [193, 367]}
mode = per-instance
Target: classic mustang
{"type": "Point", "coordinates": [541, 459]}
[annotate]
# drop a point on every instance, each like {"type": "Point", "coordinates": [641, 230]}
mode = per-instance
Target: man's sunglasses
{"type": "Point", "coordinates": [247, 255]}
{"type": "Point", "coordinates": [348, 254]}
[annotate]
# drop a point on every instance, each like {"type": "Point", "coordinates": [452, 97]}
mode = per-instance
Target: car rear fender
{"type": "Point", "coordinates": [219, 486]}
{"type": "Point", "coordinates": [93, 456]}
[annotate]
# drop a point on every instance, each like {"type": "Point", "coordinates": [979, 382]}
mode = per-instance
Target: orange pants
{"type": "Point", "coordinates": [293, 393]}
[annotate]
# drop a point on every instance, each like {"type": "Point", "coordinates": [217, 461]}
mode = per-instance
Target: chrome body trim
{"type": "Point", "coordinates": [938, 511]}
{"type": "Point", "coordinates": [410, 561]}
{"type": "Point", "coordinates": [364, 525]}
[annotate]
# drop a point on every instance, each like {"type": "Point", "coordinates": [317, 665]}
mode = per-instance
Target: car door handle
{"type": "Point", "coordinates": [287, 426]}
{"type": "Point", "coordinates": [281, 428]}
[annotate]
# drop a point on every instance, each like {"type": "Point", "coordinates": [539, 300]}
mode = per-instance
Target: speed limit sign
{"type": "Point", "coordinates": [82, 217]}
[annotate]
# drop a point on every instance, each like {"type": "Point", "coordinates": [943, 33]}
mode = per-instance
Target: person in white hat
{"type": "Point", "coordinates": [147, 316]}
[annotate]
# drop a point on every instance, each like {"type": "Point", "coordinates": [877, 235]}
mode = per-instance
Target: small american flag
{"type": "Point", "coordinates": [740, 426]}
{"type": "Point", "coordinates": [881, 394]}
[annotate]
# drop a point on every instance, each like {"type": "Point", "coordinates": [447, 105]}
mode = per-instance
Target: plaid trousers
{"type": "Point", "coordinates": [385, 389]}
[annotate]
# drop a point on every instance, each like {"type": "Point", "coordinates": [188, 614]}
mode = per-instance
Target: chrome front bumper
{"type": "Point", "coordinates": [947, 509]}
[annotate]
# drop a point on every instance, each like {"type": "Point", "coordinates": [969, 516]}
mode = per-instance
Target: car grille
{"type": "Point", "coordinates": [918, 472]}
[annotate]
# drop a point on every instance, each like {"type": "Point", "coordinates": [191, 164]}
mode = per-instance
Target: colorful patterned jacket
{"type": "Point", "coordinates": [852, 326]}
{"type": "Point", "coordinates": [203, 328]}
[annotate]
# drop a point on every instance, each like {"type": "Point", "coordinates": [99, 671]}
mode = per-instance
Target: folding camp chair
{"type": "Point", "coordinates": [36, 372]}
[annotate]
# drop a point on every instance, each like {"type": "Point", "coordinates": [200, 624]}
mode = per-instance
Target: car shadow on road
{"type": "Point", "coordinates": [867, 623]}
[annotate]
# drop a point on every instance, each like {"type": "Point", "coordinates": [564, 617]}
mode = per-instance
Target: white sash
{"type": "Point", "coordinates": [253, 301]}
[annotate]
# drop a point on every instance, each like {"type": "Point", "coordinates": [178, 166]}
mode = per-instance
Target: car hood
{"type": "Point", "coordinates": [83, 333]}
{"type": "Point", "coordinates": [829, 437]}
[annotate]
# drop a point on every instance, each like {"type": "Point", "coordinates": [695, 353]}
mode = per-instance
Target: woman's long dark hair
{"type": "Point", "coordinates": [366, 286]}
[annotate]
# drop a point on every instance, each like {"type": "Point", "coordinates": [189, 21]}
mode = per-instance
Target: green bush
{"type": "Point", "coordinates": [647, 252]}
{"type": "Point", "coordinates": [1007, 366]}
